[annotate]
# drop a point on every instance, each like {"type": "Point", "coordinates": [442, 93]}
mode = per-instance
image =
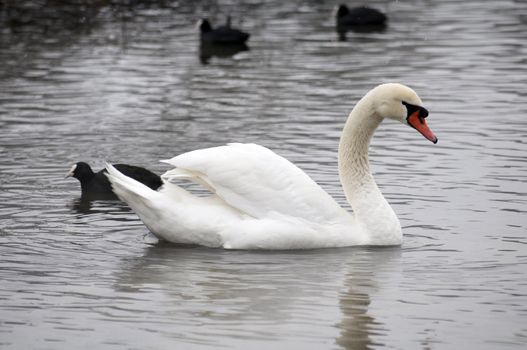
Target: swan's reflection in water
{"type": "Point", "coordinates": [367, 278]}
{"type": "Point", "coordinates": [255, 296]}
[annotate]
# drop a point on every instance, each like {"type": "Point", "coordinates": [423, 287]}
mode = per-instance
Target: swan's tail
{"type": "Point", "coordinates": [163, 212]}
{"type": "Point", "coordinates": [138, 196]}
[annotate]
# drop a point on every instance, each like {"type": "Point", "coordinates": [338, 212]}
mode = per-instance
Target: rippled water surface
{"type": "Point", "coordinates": [127, 84]}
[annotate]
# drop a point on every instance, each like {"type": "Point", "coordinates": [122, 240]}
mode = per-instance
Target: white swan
{"type": "Point", "coordinates": [260, 200]}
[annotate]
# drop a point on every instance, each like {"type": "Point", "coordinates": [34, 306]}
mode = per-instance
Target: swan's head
{"type": "Point", "coordinates": [399, 102]}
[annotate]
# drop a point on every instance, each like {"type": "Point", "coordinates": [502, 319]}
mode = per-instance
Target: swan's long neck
{"type": "Point", "coordinates": [371, 210]}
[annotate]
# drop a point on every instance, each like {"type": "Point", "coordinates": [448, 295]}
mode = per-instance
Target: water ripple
{"type": "Point", "coordinates": [126, 84]}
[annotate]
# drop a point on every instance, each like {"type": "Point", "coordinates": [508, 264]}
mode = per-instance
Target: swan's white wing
{"type": "Point", "coordinates": [257, 181]}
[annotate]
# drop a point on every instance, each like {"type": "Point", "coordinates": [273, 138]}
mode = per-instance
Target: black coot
{"type": "Point", "coordinates": [97, 184]}
{"type": "Point", "coordinates": [359, 16]}
{"type": "Point", "coordinates": [224, 35]}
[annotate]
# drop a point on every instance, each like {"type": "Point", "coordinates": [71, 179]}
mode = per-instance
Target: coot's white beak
{"type": "Point", "coordinates": [71, 172]}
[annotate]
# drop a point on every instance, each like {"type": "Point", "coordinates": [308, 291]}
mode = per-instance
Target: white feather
{"type": "Point", "coordinates": [257, 181]}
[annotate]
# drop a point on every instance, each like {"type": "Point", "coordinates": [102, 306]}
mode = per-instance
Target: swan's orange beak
{"type": "Point", "coordinates": [417, 121]}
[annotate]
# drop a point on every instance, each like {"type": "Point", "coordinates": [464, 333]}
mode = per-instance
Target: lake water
{"type": "Point", "coordinates": [126, 84]}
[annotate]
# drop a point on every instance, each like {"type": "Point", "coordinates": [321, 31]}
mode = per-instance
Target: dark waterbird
{"type": "Point", "coordinates": [96, 185]}
{"type": "Point", "coordinates": [358, 19]}
{"type": "Point", "coordinates": [359, 16]}
{"type": "Point", "coordinates": [223, 35]}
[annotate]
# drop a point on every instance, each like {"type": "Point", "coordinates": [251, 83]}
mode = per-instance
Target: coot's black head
{"type": "Point", "coordinates": [80, 171]}
{"type": "Point", "coordinates": [204, 25]}
{"type": "Point", "coordinates": [342, 10]}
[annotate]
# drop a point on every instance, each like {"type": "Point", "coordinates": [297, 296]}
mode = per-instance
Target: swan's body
{"type": "Point", "coordinates": [260, 200]}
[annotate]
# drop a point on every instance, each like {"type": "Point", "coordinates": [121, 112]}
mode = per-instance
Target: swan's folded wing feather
{"type": "Point", "coordinates": [184, 174]}
{"type": "Point", "coordinates": [257, 181]}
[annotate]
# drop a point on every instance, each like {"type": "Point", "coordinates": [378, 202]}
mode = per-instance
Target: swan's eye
{"type": "Point", "coordinates": [411, 109]}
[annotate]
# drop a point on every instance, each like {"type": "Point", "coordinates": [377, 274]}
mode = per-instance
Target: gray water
{"type": "Point", "coordinates": [126, 84]}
